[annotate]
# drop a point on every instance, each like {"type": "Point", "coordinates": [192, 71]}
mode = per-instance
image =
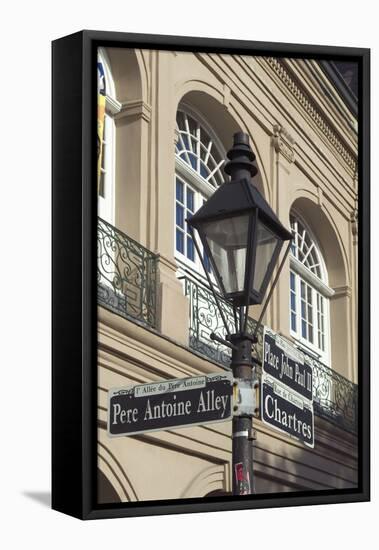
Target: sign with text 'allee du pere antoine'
{"type": "Point", "coordinates": [170, 404]}
{"type": "Point", "coordinates": [287, 393]}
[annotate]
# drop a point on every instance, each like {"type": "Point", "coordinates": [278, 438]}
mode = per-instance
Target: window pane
{"type": "Point", "coordinates": [204, 171]}
{"type": "Point", "coordinates": [303, 309]}
{"type": "Point", "coordinates": [304, 329]}
{"type": "Point", "coordinates": [207, 262]}
{"type": "Point", "coordinates": [309, 292]}
{"type": "Point", "coordinates": [190, 249]}
{"type": "Point", "coordinates": [179, 241]}
{"type": "Point", "coordinates": [292, 280]}
{"type": "Point", "coordinates": [192, 160]}
{"type": "Point", "coordinates": [185, 141]}
{"type": "Point", "coordinates": [293, 322]}
{"type": "Point", "coordinates": [180, 215]}
{"type": "Point", "coordinates": [190, 199]}
{"type": "Point", "coordinates": [179, 191]}
{"type": "Point", "coordinates": [293, 301]}
{"type": "Point", "coordinates": [309, 313]}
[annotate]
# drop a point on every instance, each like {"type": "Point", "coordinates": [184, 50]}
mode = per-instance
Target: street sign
{"type": "Point", "coordinates": [287, 397]}
{"type": "Point", "coordinates": [286, 364]}
{"type": "Point", "coordinates": [287, 412]}
{"type": "Point", "coordinates": [170, 404]}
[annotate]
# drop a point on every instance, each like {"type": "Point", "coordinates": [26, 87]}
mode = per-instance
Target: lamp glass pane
{"type": "Point", "coordinates": [266, 245]}
{"type": "Point", "coordinates": [227, 241]}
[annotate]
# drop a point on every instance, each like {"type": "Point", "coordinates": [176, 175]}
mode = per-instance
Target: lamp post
{"type": "Point", "coordinates": [242, 238]}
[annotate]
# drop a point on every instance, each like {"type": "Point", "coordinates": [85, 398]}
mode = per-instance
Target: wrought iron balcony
{"type": "Point", "coordinates": [334, 396]}
{"type": "Point", "coordinates": [126, 275]}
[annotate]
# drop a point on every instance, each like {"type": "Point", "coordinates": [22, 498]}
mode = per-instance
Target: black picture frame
{"type": "Point", "coordinates": [74, 339]}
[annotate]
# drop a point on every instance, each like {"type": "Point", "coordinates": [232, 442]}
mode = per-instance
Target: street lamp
{"type": "Point", "coordinates": [242, 238]}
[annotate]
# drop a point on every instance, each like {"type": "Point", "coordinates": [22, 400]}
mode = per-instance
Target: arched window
{"type": "Point", "coordinates": [107, 147]}
{"type": "Point", "coordinates": [309, 292]}
{"type": "Point", "coordinates": [199, 159]}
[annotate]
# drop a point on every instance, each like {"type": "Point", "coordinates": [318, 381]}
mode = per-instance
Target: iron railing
{"type": "Point", "coordinates": [126, 275]}
{"type": "Point", "coordinates": [334, 396]}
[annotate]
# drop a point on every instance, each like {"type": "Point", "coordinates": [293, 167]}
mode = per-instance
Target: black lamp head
{"type": "Point", "coordinates": [240, 233]}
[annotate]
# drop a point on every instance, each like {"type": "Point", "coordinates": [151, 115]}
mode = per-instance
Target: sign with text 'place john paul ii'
{"type": "Point", "coordinates": [287, 396]}
{"type": "Point", "coordinates": [170, 404]}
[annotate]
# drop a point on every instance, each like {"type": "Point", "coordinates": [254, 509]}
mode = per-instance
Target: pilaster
{"type": "Point", "coordinates": [283, 145]}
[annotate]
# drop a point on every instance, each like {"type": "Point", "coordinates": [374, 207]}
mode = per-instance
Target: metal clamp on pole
{"type": "Point", "coordinates": [243, 397]}
{"type": "Point", "coordinates": [246, 397]}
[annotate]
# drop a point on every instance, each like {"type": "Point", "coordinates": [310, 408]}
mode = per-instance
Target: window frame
{"type": "Point", "coordinates": [106, 204]}
{"type": "Point", "coordinates": [202, 189]}
{"type": "Point", "coordinates": [319, 287]}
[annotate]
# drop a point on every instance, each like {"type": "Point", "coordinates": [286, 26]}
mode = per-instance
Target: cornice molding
{"type": "Point", "coordinates": [112, 106]}
{"type": "Point", "coordinates": [137, 108]}
{"type": "Point", "coordinates": [307, 274]}
{"type": "Point", "coordinates": [342, 291]}
{"type": "Point", "coordinates": [312, 111]}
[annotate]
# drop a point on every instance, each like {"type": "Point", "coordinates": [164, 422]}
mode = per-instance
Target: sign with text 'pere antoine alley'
{"type": "Point", "coordinates": [287, 397]}
{"type": "Point", "coordinates": [170, 404]}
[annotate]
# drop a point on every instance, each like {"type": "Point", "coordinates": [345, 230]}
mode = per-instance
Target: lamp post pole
{"type": "Point", "coordinates": [241, 166]}
{"type": "Point", "coordinates": [242, 237]}
{"type": "Point", "coordinates": [242, 446]}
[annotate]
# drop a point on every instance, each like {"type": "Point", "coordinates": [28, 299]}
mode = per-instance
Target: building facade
{"type": "Point", "coordinates": [169, 121]}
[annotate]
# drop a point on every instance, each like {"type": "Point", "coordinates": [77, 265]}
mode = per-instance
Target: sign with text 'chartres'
{"type": "Point", "coordinates": [170, 404]}
{"type": "Point", "coordinates": [287, 394]}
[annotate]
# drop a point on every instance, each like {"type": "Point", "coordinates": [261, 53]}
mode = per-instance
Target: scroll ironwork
{"type": "Point", "coordinates": [126, 275]}
{"type": "Point", "coordinates": [334, 396]}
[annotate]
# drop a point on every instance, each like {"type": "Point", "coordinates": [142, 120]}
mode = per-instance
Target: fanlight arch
{"type": "Point", "coordinates": [195, 146]}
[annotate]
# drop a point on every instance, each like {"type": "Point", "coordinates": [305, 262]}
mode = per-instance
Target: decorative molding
{"type": "Point", "coordinates": [283, 142]}
{"type": "Point", "coordinates": [319, 285]}
{"type": "Point", "coordinates": [226, 97]}
{"type": "Point", "coordinates": [320, 196]}
{"type": "Point", "coordinates": [135, 108]}
{"type": "Point", "coordinates": [212, 478]}
{"type": "Point", "coordinates": [112, 106]}
{"type": "Point", "coordinates": [354, 222]}
{"type": "Point", "coordinates": [278, 66]}
{"type": "Point", "coordinates": [342, 291]}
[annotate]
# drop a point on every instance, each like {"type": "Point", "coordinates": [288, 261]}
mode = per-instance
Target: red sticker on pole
{"type": "Point", "coordinates": [242, 479]}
